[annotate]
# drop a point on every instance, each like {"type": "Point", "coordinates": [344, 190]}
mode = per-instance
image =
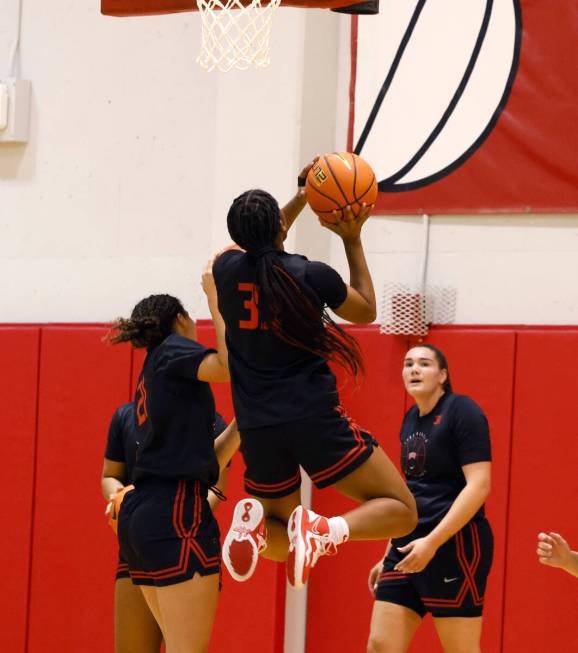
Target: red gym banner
{"type": "Point", "coordinates": [468, 107]}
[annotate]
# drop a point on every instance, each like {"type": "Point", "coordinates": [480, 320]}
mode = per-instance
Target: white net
{"type": "Point", "coordinates": [234, 36]}
{"type": "Point", "coordinates": [410, 311]}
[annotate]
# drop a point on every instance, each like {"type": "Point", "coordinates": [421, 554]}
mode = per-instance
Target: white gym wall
{"type": "Point", "coordinates": [135, 154]}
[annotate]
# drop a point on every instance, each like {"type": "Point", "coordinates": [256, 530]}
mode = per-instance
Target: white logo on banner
{"type": "Point", "coordinates": [432, 79]}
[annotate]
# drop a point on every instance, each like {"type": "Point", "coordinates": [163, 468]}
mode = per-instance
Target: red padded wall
{"type": "Point", "coordinates": [18, 389]}
{"type": "Point", "coordinates": [82, 381]}
{"type": "Point", "coordinates": [250, 616]}
{"type": "Point", "coordinates": [378, 407]}
{"type": "Point", "coordinates": [482, 367]}
{"type": "Point", "coordinates": [540, 605]}
{"type": "Point", "coordinates": [522, 378]}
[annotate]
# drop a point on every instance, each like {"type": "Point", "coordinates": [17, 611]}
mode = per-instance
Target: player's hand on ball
{"type": "Point", "coordinates": [305, 171]}
{"type": "Point", "coordinates": [553, 550]}
{"type": "Point", "coordinates": [373, 576]}
{"type": "Point", "coordinates": [348, 227]}
{"type": "Point", "coordinates": [419, 553]}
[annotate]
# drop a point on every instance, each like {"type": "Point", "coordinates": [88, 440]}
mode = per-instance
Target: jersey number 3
{"type": "Point", "coordinates": [250, 305]}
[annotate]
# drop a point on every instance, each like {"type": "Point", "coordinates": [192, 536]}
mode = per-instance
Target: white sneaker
{"type": "Point", "coordinates": [308, 540]}
{"type": "Point", "coordinates": [246, 538]}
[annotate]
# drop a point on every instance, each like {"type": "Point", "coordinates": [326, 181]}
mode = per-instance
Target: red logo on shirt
{"type": "Point", "coordinates": [437, 420]}
{"type": "Point", "coordinates": [141, 403]}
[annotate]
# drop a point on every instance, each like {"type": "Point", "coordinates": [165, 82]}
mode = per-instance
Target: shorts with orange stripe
{"type": "Point", "coordinates": [121, 568]}
{"type": "Point", "coordinates": [167, 532]}
{"type": "Point", "coordinates": [328, 446]}
{"type": "Point", "coordinates": [454, 582]}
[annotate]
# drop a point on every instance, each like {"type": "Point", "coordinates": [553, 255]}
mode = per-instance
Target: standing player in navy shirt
{"type": "Point", "coordinates": [167, 532]}
{"type": "Point", "coordinates": [443, 565]}
{"type": "Point", "coordinates": [280, 339]}
{"type": "Point", "coordinates": [135, 628]}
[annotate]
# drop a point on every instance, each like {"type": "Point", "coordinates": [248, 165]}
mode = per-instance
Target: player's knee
{"type": "Point", "coordinates": [379, 643]}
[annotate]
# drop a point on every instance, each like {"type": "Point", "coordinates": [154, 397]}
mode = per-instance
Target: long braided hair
{"type": "Point", "coordinates": [150, 322]}
{"type": "Point", "coordinates": [254, 222]}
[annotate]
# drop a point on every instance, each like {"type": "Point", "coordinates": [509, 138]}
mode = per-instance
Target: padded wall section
{"type": "Point", "coordinates": [540, 607]}
{"type": "Point", "coordinates": [250, 615]}
{"type": "Point", "coordinates": [482, 366]}
{"type": "Point", "coordinates": [82, 381]}
{"type": "Point", "coordinates": [377, 405]}
{"type": "Point", "coordinates": [18, 392]}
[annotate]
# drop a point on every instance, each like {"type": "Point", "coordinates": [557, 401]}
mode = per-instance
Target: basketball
{"type": "Point", "coordinates": [116, 502]}
{"type": "Point", "coordinates": [339, 180]}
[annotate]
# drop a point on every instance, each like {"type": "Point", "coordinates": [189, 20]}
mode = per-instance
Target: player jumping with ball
{"type": "Point", "coordinates": [280, 339]}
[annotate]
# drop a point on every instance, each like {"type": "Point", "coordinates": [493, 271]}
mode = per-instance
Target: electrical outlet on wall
{"type": "Point", "coordinates": [14, 110]}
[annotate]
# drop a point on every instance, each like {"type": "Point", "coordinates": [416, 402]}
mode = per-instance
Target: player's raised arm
{"type": "Point", "coordinates": [295, 205]}
{"type": "Point", "coordinates": [359, 306]}
{"type": "Point", "coordinates": [215, 367]}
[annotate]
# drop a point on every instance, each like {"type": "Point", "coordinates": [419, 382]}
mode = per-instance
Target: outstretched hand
{"type": "Point", "coordinates": [553, 550]}
{"type": "Point", "coordinates": [347, 226]}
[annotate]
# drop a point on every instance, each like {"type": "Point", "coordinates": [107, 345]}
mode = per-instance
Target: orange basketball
{"type": "Point", "coordinates": [115, 508]}
{"type": "Point", "coordinates": [338, 180]}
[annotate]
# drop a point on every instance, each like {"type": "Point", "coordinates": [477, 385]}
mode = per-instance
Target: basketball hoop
{"type": "Point", "coordinates": [235, 35]}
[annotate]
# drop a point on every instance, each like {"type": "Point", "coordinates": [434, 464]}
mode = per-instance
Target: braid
{"type": "Point", "coordinates": [254, 223]}
{"type": "Point", "coordinates": [151, 321]}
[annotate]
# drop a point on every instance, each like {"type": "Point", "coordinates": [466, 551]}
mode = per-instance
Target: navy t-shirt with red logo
{"type": "Point", "coordinates": [175, 414]}
{"type": "Point", "coordinates": [272, 381]}
{"type": "Point", "coordinates": [434, 447]}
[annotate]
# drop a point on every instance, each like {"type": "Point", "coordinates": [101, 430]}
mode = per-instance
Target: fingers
{"type": "Point", "coordinates": [308, 167]}
{"type": "Point", "coordinates": [544, 550]}
{"type": "Point", "coordinates": [372, 581]}
{"type": "Point", "coordinates": [557, 538]}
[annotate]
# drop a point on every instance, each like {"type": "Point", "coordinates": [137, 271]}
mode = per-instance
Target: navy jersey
{"type": "Point", "coordinates": [434, 449]}
{"type": "Point", "coordinates": [121, 444]}
{"type": "Point", "coordinates": [175, 414]}
{"type": "Point", "coordinates": [272, 381]}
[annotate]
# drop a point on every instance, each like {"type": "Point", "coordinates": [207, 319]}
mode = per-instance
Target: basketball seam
{"type": "Point", "coordinates": [373, 181]}
{"type": "Point", "coordinates": [335, 179]}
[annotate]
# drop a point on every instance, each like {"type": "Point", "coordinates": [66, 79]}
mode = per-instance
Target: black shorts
{"type": "Point", "coordinates": [167, 532]}
{"type": "Point", "coordinates": [454, 582]}
{"type": "Point", "coordinates": [121, 567]}
{"type": "Point", "coordinates": [328, 446]}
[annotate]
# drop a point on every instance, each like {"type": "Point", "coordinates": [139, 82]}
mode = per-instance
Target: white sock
{"type": "Point", "coordinates": [338, 530]}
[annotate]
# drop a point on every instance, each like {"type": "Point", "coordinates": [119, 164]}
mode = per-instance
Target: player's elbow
{"type": "Point", "coordinates": [366, 315]}
{"type": "Point", "coordinates": [222, 374]}
{"type": "Point", "coordinates": [484, 488]}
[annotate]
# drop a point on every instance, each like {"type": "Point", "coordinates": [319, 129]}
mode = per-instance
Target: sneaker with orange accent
{"type": "Point", "coordinates": [308, 541]}
{"type": "Point", "coordinates": [246, 538]}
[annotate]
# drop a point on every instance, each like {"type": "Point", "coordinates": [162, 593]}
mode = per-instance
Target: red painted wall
{"type": "Point", "coordinates": [63, 385]}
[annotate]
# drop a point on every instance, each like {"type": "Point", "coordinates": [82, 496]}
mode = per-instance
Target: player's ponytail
{"type": "Point", "coordinates": [151, 321]}
{"type": "Point", "coordinates": [442, 361]}
{"type": "Point", "coordinates": [254, 224]}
